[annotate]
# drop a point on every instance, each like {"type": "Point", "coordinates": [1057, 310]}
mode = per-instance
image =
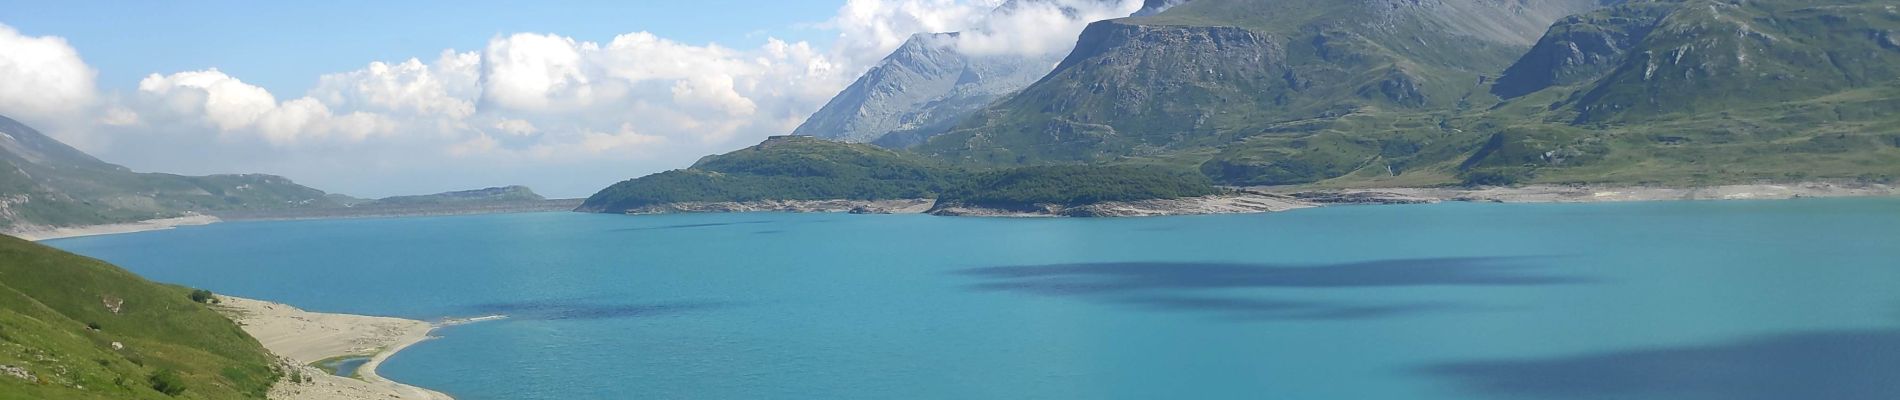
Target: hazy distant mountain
{"type": "Point", "coordinates": [494, 194]}
{"type": "Point", "coordinates": [927, 85]}
{"type": "Point", "coordinates": [46, 183]}
{"type": "Point", "coordinates": [923, 87]}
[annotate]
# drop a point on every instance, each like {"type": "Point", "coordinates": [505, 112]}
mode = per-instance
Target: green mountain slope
{"type": "Point", "coordinates": [1211, 72]}
{"type": "Point", "coordinates": [782, 168]}
{"type": "Point", "coordinates": [1663, 59]}
{"type": "Point", "coordinates": [1683, 92]}
{"type": "Point", "coordinates": [1694, 92]}
{"type": "Point", "coordinates": [46, 183]}
{"type": "Point", "coordinates": [503, 194]}
{"type": "Point", "coordinates": [49, 302]}
{"type": "Point", "coordinates": [806, 168]}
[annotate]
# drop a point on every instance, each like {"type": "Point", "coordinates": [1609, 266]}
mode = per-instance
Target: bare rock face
{"type": "Point", "coordinates": [18, 372]}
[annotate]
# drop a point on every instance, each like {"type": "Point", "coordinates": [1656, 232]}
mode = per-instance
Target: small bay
{"type": "Point", "coordinates": [1662, 300]}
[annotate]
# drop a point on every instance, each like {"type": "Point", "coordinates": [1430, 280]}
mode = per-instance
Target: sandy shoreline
{"type": "Point", "coordinates": [302, 338]}
{"type": "Point", "coordinates": [1237, 202]}
{"type": "Point", "coordinates": [44, 233]}
{"type": "Point", "coordinates": [1588, 193]}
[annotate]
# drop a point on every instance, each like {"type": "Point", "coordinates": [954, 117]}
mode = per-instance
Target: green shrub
{"type": "Point", "coordinates": [203, 296]}
{"type": "Point", "coordinates": [166, 381]}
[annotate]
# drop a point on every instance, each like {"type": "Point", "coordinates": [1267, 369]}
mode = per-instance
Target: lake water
{"type": "Point", "coordinates": [1667, 300]}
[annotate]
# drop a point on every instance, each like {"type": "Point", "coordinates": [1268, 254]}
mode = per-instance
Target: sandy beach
{"type": "Point", "coordinates": [302, 338]}
{"type": "Point", "coordinates": [48, 233]}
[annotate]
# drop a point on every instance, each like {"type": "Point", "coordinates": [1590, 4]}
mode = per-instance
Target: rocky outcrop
{"type": "Point", "coordinates": [1361, 198]}
{"type": "Point", "coordinates": [1579, 49]}
{"type": "Point", "coordinates": [17, 372]}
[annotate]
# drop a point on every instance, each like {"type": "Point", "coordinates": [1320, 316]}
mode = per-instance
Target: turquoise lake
{"type": "Point", "coordinates": [1795, 299]}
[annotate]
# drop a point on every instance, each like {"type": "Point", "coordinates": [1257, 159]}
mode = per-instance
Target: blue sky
{"type": "Point", "coordinates": [284, 46]}
{"type": "Point", "coordinates": [411, 97]}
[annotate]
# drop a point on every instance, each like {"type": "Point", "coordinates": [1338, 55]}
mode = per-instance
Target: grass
{"type": "Point", "coordinates": [49, 297]}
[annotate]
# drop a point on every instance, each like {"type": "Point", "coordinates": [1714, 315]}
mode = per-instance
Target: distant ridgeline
{"type": "Point", "coordinates": [805, 168]}
{"type": "Point", "coordinates": [72, 327]}
{"type": "Point", "coordinates": [47, 184]}
{"type": "Point", "coordinates": [1391, 93]}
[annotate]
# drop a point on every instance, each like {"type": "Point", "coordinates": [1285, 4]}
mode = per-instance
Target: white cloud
{"type": "Point", "coordinates": [42, 76]}
{"type": "Point", "coordinates": [870, 29]}
{"type": "Point", "coordinates": [521, 105]}
{"type": "Point", "coordinates": [45, 83]}
{"type": "Point", "coordinates": [445, 89]}
{"type": "Point", "coordinates": [1038, 28]}
{"type": "Point", "coordinates": [536, 72]}
{"type": "Point", "coordinates": [238, 110]}
{"type": "Point", "coordinates": [515, 127]}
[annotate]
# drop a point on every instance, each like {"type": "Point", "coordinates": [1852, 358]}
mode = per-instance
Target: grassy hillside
{"type": "Point", "coordinates": [783, 168]}
{"type": "Point", "coordinates": [803, 168]}
{"type": "Point", "coordinates": [51, 302]}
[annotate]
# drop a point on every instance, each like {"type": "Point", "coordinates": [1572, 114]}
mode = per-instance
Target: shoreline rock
{"type": "Point", "coordinates": [1277, 199]}
{"type": "Point", "coordinates": [42, 233]}
{"type": "Point", "coordinates": [1239, 202]}
{"type": "Point", "coordinates": [1590, 193]}
{"type": "Point", "coordinates": [905, 206]}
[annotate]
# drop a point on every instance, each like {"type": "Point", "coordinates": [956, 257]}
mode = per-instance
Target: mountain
{"type": "Point", "coordinates": [922, 88]}
{"type": "Point", "coordinates": [1653, 59]}
{"type": "Point", "coordinates": [77, 328]}
{"type": "Point", "coordinates": [929, 84]}
{"type": "Point", "coordinates": [46, 183]}
{"type": "Point", "coordinates": [782, 168]}
{"type": "Point", "coordinates": [1694, 92]}
{"type": "Point", "coordinates": [490, 195]}
{"type": "Point", "coordinates": [1420, 93]}
{"type": "Point", "coordinates": [1210, 72]}
{"type": "Point", "coordinates": [799, 168]}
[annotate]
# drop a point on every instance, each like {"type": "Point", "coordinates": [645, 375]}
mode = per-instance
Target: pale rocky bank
{"type": "Point", "coordinates": [905, 206]}
{"type": "Point", "coordinates": [1239, 202]}
{"type": "Point", "coordinates": [302, 338]}
{"type": "Point", "coordinates": [39, 233]}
